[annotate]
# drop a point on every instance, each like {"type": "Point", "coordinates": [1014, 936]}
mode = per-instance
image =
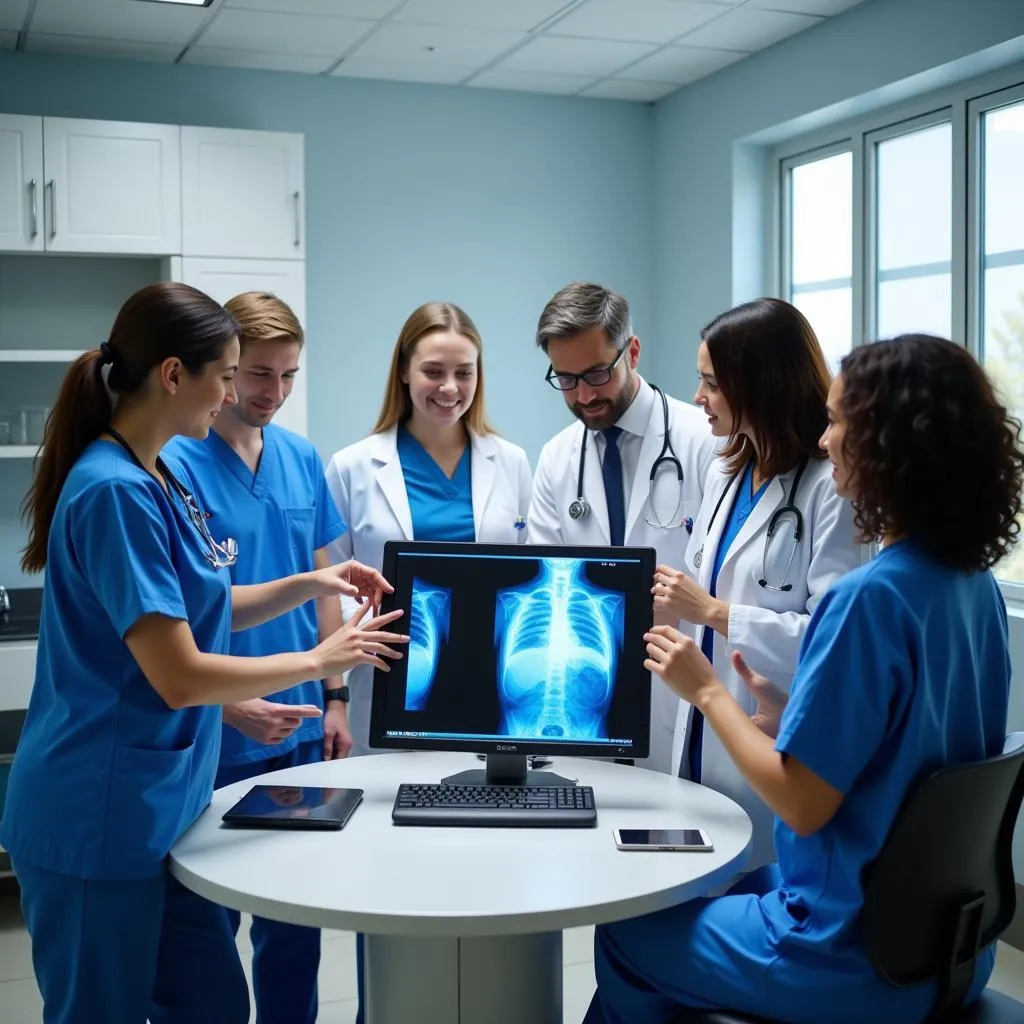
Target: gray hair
{"type": "Point", "coordinates": [580, 307]}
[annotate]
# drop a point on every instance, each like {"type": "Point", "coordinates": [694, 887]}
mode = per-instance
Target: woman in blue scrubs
{"type": "Point", "coordinates": [904, 669]}
{"type": "Point", "coordinates": [120, 744]}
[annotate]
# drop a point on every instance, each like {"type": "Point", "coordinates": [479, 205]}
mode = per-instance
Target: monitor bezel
{"type": "Point", "coordinates": [393, 549]}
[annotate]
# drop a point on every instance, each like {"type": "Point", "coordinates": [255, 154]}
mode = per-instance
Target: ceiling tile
{"type": "Point", "coordinates": [511, 15]}
{"type": "Point", "coordinates": [679, 65]}
{"type": "Point", "coordinates": [371, 9]}
{"type": "Point", "coordinates": [425, 44]}
{"type": "Point", "coordinates": [825, 8]}
{"type": "Point", "coordinates": [8, 40]}
{"type": "Point", "coordinates": [629, 89]}
{"type": "Point", "coordinates": [642, 21]}
{"type": "Point", "coordinates": [81, 46]}
{"type": "Point", "coordinates": [400, 71]}
{"type": "Point", "coordinates": [595, 57]}
{"type": "Point", "coordinates": [530, 81]}
{"type": "Point", "coordinates": [748, 29]}
{"type": "Point", "coordinates": [12, 14]}
{"type": "Point", "coordinates": [118, 19]}
{"type": "Point", "coordinates": [307, 34]}
{"type": "Point", "coordinates": [253, 59]}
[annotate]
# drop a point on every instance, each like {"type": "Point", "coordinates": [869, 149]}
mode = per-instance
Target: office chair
{"type": "Point", "coordinates": [941, 889]}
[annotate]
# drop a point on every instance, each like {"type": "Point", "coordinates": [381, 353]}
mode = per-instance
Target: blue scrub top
{"type": "Point", "coordinates": [904, 669]}
{"type": "Point", "coordinates": [107, 776]}
{"type": "Point", "coordinates": [278, 516]}
{"type": "Point", "coordinates": [441, 509]}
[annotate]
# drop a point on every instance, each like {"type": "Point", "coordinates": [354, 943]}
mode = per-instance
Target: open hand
{"type": "Point", "coordinates": [361, 643]}
{"type": "Point", "coordinates": [679, 662]}
{"type": "Point", "coordinates": [771, 701]}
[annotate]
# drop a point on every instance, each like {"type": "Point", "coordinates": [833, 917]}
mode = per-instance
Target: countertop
{"type": "Point", "coordinates": [21, 623]}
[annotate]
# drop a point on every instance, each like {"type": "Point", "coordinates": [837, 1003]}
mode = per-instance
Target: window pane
{"type": "Point", "coordinates": [915, 198]}
{"type": "Point", "coordinates": [822, 226]}
{"type": "Point", "coordinates": [831, 315]}
{"type": "Point", "coordinates": [916, 305]}
{"type": "Point", "coordinates": [1002, 305]}
{"type": "Point", "coordinates": [1004, 197]}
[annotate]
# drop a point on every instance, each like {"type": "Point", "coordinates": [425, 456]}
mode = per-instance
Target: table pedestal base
{"type": "Point", "coordinates": [489, 980]}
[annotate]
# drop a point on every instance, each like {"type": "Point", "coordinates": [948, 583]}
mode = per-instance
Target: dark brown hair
{"type": "Point", "coordinates": [161, 321]}
{"type": "Point", "coordinates": [772, 372]}
{"type": "Point", "coordinates": [935, 457]}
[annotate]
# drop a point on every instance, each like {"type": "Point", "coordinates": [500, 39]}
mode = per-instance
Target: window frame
{"type": "Point", "coordinates": [963, 106]}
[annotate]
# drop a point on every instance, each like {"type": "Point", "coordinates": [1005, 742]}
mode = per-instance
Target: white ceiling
{"type": "Point", "coordinates": [617, 49]}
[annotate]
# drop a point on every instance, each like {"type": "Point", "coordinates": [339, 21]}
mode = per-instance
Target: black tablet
{"type": "Point", "coordinates": [299, 807]}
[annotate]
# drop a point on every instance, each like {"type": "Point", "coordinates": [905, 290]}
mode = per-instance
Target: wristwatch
{"type": "Point", "coordinates": [338, 693]}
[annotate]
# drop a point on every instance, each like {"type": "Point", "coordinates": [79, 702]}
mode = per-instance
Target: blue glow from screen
{"type": "Point", "coordinates": [428, 629]}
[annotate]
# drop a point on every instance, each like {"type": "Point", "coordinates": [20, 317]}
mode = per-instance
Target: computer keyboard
{"type": "Point", "coordinates": [500, 806]}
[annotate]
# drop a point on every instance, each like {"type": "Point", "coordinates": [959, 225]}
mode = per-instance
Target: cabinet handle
{"type": "Point", "coordinates": [53, 208]}
{"type": "Point", "coordinates": [298, 220]}
{"type": "Point", "coordinates": [34, 193]}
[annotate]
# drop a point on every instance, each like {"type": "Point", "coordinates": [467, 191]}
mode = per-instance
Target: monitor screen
{"type": "Point", "coordinates": [517, 649]}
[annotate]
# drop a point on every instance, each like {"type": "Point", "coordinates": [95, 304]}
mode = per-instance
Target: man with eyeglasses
{"type": "Point", "coordinates": [618, 479]}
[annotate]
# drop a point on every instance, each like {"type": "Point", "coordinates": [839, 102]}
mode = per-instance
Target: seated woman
{"type": "Point", "coordinates": [904, 670]}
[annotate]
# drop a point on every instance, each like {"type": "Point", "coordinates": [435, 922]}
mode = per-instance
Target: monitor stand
{"type": "Point", "coordinates": [507, 770]}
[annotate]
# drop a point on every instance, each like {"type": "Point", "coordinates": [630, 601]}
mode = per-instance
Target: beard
{"type": "Point", "coordinates": [608, 411]}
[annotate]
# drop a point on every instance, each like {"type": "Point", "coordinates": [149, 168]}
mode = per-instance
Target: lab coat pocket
{"type": "Point", "coordinates": [299, 523]}
{"type": "Point", "coordinates": [503, 525]}
{"type": "Point", "coordinates": [148, 797]}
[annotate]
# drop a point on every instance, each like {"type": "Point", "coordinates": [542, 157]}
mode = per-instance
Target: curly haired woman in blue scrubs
{"type": "Point", "coordinates": [905, 669]}
{"type": "Point", "coordinates": [120, 745]}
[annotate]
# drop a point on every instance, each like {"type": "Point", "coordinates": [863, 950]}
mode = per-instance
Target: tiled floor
{"type": "Point", "coordinates": [20, 1002]}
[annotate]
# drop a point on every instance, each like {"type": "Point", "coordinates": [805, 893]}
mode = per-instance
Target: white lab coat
{"type": "Point", "coordinates": [365, 479]}
{"type": "Point", "coordinates": [765, 626]}
{"type": "Point", "coordinates": [554, 489]}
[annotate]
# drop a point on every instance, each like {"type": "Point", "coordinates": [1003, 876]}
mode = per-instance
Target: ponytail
{"type": "Point", "coordinates": [81, 413]}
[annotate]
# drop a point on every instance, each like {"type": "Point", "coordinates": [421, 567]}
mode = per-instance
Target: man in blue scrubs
{"type": "Point", "coordinates": [264, 486]}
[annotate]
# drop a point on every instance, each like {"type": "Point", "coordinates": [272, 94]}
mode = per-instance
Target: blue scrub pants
{"type": "Point", "coordinates": [285, 957]}
{"type": "Point", "coordinates": [730, 953]}
{"type": "Point", "coordinates": [125, 952]}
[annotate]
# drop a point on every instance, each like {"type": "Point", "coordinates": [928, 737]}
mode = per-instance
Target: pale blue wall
{"type": "Point", "coordinates": [493, 200]}
{"type": "Point", "coordinates": [714, 177]}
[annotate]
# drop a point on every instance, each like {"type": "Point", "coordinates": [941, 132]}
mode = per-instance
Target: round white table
{"type": "Point", "coordinates": [462, 924]}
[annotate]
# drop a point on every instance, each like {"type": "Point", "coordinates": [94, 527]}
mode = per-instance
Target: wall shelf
{"type": "Point", "coordinates": [38, 355]}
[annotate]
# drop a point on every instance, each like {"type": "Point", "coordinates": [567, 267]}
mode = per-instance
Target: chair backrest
{"type": "Point", "coordinates": [942, 887]}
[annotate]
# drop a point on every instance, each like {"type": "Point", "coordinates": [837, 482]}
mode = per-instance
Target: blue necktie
{"type": "Point", "coordinates": [614, 491]}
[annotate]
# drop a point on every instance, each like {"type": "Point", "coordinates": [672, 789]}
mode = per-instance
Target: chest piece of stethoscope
{"type": "Point", "coordinates": [579, 509]}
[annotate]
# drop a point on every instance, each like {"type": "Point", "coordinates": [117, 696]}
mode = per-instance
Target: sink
{"type": "Point", "coordinates": [22, 621]}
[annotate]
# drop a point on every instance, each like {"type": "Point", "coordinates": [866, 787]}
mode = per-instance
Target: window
{"type": "Point", "coordinates": [820, 248]}
{"type": "Point", "coordinates": [912, 220]}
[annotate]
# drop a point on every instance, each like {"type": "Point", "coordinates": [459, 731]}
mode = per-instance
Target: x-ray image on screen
{"type": "Point", "coordinates": [558, 638]}
{"type": "Point", "coordinates": [428, 629]}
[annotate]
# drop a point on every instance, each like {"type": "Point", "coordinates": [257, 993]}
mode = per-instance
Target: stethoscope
{"type": "Point", "coordinates": [219, 556]}
{"type": "Point", "coordinates": [786, 512]}
{"type": "Point", "coordinates": [579, 507]}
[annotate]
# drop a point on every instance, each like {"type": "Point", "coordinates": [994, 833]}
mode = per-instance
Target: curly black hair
{"type": "Point", "coordinates": [936, 456]}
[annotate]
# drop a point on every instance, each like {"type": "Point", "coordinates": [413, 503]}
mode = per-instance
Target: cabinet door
{"type": "Point", "coordinates": [112, 186]}
{"type": "Point", "coordinates": [223, 279]}
{"type": "Point", "coordinates": [242, 194]}
{"type": "Point", "coordinates": [21, 183]}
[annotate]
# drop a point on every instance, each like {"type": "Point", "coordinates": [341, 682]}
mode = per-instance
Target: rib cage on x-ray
{"type": "Point", "coordinates": [428, 629]}
{"type": "Point", "coordinates": [558, 640]}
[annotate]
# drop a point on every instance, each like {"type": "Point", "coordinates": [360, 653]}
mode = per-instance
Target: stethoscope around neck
{"type": "Point", "coordinates": [579, 507]}
{"type": "Point", "coordinates": [786, 512]}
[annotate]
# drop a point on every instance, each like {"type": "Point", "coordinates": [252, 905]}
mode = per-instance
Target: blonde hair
{"type": "Point", "coordinates": [430, 317]}
{"type": "Point", "coordinates": [264, 317]}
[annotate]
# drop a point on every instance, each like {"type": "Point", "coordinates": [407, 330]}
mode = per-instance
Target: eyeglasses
{"type": "Point", "coordinates": [596, 378]}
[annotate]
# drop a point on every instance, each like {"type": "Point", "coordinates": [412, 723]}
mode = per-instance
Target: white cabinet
{"type": "Point", "coordinates": [21, 183]}
{"type": "Point", "coordinates": [77, 186]}
{"type": "Point", "coordinates": [17, 674]}
{"type": "Point", "coordinates": [242, 194]}
{"type": "Point", "coordinates": [112, 186]}
{"type": "Point", "coordinates": [222, 279]}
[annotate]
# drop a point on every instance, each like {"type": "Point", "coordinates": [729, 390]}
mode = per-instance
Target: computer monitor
{"type": "Point", "coordinates": [517, 650]}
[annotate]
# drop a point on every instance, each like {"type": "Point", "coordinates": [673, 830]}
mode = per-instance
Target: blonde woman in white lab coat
{"type": "Point", "coordinates": [433, 468]}
{"type": "Point", "coordinates": [772, 534]}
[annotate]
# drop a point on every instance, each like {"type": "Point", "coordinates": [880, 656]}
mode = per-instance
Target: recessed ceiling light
{"type": "Point", "coordinates": [184, 3]}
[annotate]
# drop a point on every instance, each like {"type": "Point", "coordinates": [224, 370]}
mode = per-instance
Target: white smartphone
{"type": "Point", "coordinates": [690, 839]}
